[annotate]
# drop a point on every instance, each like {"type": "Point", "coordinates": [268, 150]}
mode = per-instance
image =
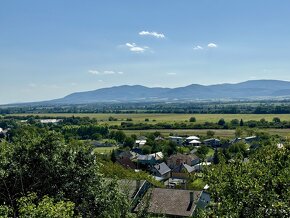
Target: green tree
{"type": "Point", "coordinates": [192, 119]}
{"type": "Point", "coordinates": [221, 122]}
{"type": "Point", "coordinates": [210, 133]}
{"type": "Point", "coordinates": [129, 142]}
{"type": "Point", "coordinates": [276, 120]}
{"type": "Point", "coordinates": [235, 122]}
{"type": "Point", "coordinates": [202, 151]}
{"type": "Point", "coordinates": [113, 156]}
{"type": "Point", "coordinates": [40, 161]}
{"type": "Point", "coordinates": [239, 132]}
{"type": "Point", "coordinates": [32, 207]}
{"type": "Point", "coordinates": [241, 122]}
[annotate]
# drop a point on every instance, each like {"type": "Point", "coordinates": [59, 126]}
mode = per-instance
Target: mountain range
{"type": "Point", "coordinates": [249, 90]}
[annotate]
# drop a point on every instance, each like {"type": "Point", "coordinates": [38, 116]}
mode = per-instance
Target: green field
{"type": "Point", "coordinates": [104, 150]}
{"type": "Point", "coordinates": [170, 118]}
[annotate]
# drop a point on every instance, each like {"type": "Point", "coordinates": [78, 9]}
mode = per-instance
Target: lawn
{"type": "Point", "coordinates": [104, 150]}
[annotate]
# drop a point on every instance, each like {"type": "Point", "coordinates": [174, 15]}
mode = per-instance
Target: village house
{"type": "Point", "coordinates": [194, 142]}
{"type": "Point", "coordinates": [173, 202]}
{"type": "Point", "coordinates": [177, 139]}
{"type": "Point", "coordinates": [190, 138]}
{"type": "Point", "coordinates": [251, 139]}
{"type": "Point", "coordinates": [182, 171]}
{"type": "Point", "coordinates": [212, 142]}
{"type": "Point", "coordinates": [161, 170]}
{"type": "Point", "coordinates": [176, 159]}
{"type": "Point", "coordinates": [200, 167]}
{"type": "Point", "coordinates": [150, 159]}
{"type": "Point", "coordinates": [126, 162]}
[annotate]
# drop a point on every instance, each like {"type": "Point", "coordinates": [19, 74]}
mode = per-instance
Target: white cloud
{"type": "Point", "coordinates": [171, 74]}
{"type": "Point", "coordinates": [105, 72]}
{"type": "Point", "coordinates": [137, 49]}
{"type": "Point", "coordinates": [95, 72]}
{"type": "Point", "coordinates": [197, 47]}
{"type": "Point", "coordinates": [212, 45]}
{"type": "Point", "coordinates": [154, 34]}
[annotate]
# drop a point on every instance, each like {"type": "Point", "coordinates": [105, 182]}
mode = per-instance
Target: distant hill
{"type": "Point", "coordinates": [249, 90]}
{"type": "Point", "coordinates": [253, 89]}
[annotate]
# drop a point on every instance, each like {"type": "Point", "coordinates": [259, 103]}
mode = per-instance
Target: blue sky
{"type": "Point", "coordinates": [49, 49]}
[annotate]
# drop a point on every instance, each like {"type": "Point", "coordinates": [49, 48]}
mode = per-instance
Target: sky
{"type": "Point", "coordinates": [49, 49]}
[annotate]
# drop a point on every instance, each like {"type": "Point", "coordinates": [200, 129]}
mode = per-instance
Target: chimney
{"type": "Point", "coordinates": [191, 197]}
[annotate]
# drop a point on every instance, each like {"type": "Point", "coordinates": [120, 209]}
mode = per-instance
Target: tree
{"type": "Point", "coordinates": [221, 122]}
{"type": "Point", "coordinates": [216, 157]}
{"type": "Point", "coordinates": [239, 132]}
{"type": "Point", "coordinates": [258, 188]}
{"type": "Point", "coordinates": [202, 151]}
{"type": "Point", "coordinates": [40, 161]}
{"type": "Point", "coordinates": [210, 133]}
{"type": "Point", "coordinates": [192, 119]}
{"type": "Point", "coordinates": [113, 156]}
{"type": "Point", "coordinates": [146, 149]}
{"type": "Point", "coordinates": [31, 206]}
{"type": "Point", "coordinates": [241, 122]}
{"type": "Point", "coordinates": [276, 120]}
{"type": "Point", "coordinates": [128, 142]}
{"type": "Point", "coordinates": [235, 122]}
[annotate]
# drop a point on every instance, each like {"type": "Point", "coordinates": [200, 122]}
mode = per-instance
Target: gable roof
{"type": "Point", "coordinates": [211, 140]}
{"type": "Point", "coordinates": [126, 163]}
{"type": "Point", "coordinates": [172, 202]}
{"type": "Point", "coordinates": [162, 168]}
{"type": "Point", "coordinates": [145, 157]}
{"type": "Point", "coordinates": [179, 168]}
{"type": "Point", "coordinates": [192, 138]}
{"type": "Point", "coordinates": [194, 141]}
{"type": "Point", "coordinates": [158, 155]}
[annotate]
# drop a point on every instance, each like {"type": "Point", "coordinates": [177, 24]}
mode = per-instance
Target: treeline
{"type": "Point", "coordinates": [259, 107]}
{"type": "Point", "coordinates": [221, 124]}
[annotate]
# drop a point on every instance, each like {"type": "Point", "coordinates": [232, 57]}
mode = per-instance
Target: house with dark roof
{"type": "Point", "coordinates": [171, 202]}
{"type": "Point", "coordinates": [146, 160]}
{"type": "Point", "coordinates": [126, 163]}
{"type": "Point", "coordinates": [177, 159]}
{"type": "Point", "coordinates": [212, 142]}
{"type": "Point", "coordinates": [161, 170]}
{"type": "Point", "coordinates": [177, 139]}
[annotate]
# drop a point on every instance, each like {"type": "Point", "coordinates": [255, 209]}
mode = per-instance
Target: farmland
{"type": "Point", "coordinates": [170, 118]}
